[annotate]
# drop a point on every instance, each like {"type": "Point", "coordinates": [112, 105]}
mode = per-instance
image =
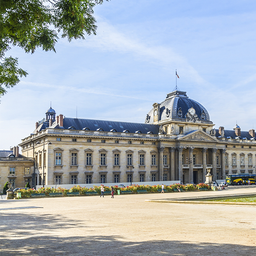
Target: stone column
{"type": "Point", "coordinates": [191, 165]}
{"type": "Point", "coordinates": [223, 164]}
{"type": "Point", "coordinates": [172, 164]}
{"type": "Point", "coordinates": [214, 164]}
{"type": "Point", "coordinates": [160, 163]}
{"type": "Point", "coordinates": [204, 162]}
{"type": "Point", "coordinates": [180, 169]}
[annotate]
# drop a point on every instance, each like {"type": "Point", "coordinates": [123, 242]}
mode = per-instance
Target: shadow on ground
{"type": "Point", "coordinates": [22, 234]}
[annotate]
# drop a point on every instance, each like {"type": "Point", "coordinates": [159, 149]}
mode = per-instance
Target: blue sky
{"type": "Point", "coordinates": [130, 64]}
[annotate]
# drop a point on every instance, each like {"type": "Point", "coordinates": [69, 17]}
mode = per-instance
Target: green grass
{"type": "Point", "coordinates": [249, 199]}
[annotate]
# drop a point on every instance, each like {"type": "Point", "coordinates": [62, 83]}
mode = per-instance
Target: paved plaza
{"type": "Point", "coordinates": [128, 225]}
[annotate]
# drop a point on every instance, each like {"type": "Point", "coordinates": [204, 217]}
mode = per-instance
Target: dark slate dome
{"type": "Point", "coordinates": [175, 107]}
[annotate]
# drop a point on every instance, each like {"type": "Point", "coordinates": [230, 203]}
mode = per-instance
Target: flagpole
{"type": "Point", "coordinates": [176, 79]}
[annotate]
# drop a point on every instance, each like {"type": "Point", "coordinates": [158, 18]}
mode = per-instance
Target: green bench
{"type": "Point", "coordinates": [73, 193]}
{"type": "Point", "coordinates": [38, 195]}
{"type": "Point", "coordinates": [91, 193]}
{"type": "Point", "coordinates": [160, 190]}
{"type": "Point", "coordinates": [55, 194]}
{"type": "Point", "coordinates": [142, 191]}
{"type": "Point", "coordinates": [126, 192]}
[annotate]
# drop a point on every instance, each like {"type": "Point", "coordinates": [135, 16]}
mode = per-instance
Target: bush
{"type": "Point", "coordinates": [6, 187]}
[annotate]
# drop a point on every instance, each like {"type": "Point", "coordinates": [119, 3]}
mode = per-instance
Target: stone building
{"type": "Point", "coordinates": [177, 142]}
{"type": "Point", "coordinates": [15, 169]}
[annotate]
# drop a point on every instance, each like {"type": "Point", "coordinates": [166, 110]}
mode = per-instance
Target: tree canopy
{"type": "Point", "coordinates": [30, 24]}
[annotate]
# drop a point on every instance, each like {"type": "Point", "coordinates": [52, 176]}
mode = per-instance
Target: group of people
{"type": "Point", "coordinates": [102, 189]}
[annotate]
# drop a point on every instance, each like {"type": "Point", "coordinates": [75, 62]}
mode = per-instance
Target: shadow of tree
{"type": "Point", "coordinates": [30, 234]}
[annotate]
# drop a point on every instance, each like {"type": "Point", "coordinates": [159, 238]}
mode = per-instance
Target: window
{"type": "Point", "coordinates": [165, 177]}
{"type": "Point", "coordinates": [73, 158]}
{"type": "Point", "coordinates": [103, 141]}
{"type": "Point", "coordinates": [165, 160]}
{"type": "Point", "coordinates": [242, 162]}
{"type": "Point", "coordinates": [129, 177]}
{"type": "Point", "coordinates": [12, 183]}
{"type": "Point", "coordinates": [153, 159]}
{"type": "Point", "coordinates": [73, 179]}
{"type": "Point", "coordinates": [153, 143]}
{"type": "Point", "coordinates": [142, 177]}
{"type": "Point", "coordinates": [204, 129]}
{"type": "Point", "coordinates": [153, 177]}
{"type": "Point", "coordinates": [12, 170]}
{"type": "Point", "coordinates": [249, 160]}
{"type": "Point", "coordinates": [27, 171]}
{"type": "Point", "coordinates": [142, 159]}
{"type": "Point", "coordinates": [73, 140]}
{"type": "Point", "coordinates": [88, 179]}
{"type": "Point", "coordinates": [142, 142]}
{"type": "Point", "coordinates": [234, 160]}
{"type": "Point", "coordinates": [116, 159]}
{"type": "Point", "coordinates": [129, 142]}
{"type": "Point", "coordinates": [103, 178]}
{"type": "Point", "coordinates": [183, 158]}
{"type": "Point", "coordinates": [44, 160]}
{"type": "Point", "coordinates": [181, 130]}
{"type": "Point", "coordinates": [116, 178]}
{"type": "Point", "coordinates": [89, 140]}
{"type": "Point", "coordinates": [88, 158]}
{"type": "Point", "coordinates": [58, 158]}
{"type": "Point", "coordinates": [129, 159]}
{"type": "Point", "coordinates": [194, 159]}
{"type": "Point", "coordinates": [58, 139]}
{"type": "Point", "coordinates": [217, 160]}
{"type": "Point", "coordinates": [40, 160]}
{"type": "Point", "coordinates": [58, 179]}
{"type": "Point", "coordinates": [116, 141]}
{"type": "Point", "coordinates": [234, 146]}
{"type": "Point", "coordinates": [102, 159]}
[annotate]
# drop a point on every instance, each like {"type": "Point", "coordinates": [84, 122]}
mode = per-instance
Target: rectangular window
{"type": "Point", "coordinates": [129, 177]}
{"type": "Point", "coordinates": [88, 179]}
{"type": "Point", "coordinates": [89, 159]}
{"type": "Point", "coordinates": [142, 159]}
{"type": "Point", "coordinates": [204, 129]}
{"type": "Point", "coordinates": [40, 160]}
{"type": "Point", "coordinates": [74, 159]}
{"type": "Point", "coordinates": [129, 159]}
{"type": "Point", "coordinates": [181, 130]}
{"type": "Point", "coordinates": [217, 160]}
{"type": "Point", "coordinates": [250, 160]}
{"type": "Point", "coordinates": [116, 159]}
{"type": "Point", "coordinates": [58, 179]}
{"type": "Point", "coordinates": [153, 143]}
{"type": "Point", "coordinates": [234, 160]}
{"type": "Point", "coordinates": [153, 160]}
{"type": "Point", "coordinates": [165, 160]}
{"type": "Point", "coordinates": [194, 159]}
{"type": "Point", "coordinates": [116, 141]}
{"type": "Point", "coordinates": [57, 158]}
{"type": "Point", "coordinates": [102, 159]}
{"type": "Point", "coordinates": [89, 140]}
{"type": "Point", "coordinates": [142, 142]}
{"type": "Point", "coordinates": [12, 170]}
{"type": "Point", "coordinates": [116, 178]}
{"type": "Point", "coordinates": [242, 162]}
{"type": "Point", "coordinates": [73, 140]}
{"type": "Point", "coordinates": [27, 171]}
{"type": "Point", "coordinates": [165, 177]}
{"type": "Point", "coordinates": [153, 177]}
{"type": "Point", "coordinates": [12, 183]}
{"type": "Point", "coordinates": [102, 178]}
{"type": "Point", "coordinates": [103, 141]}
{"type": "Point", "coordinates": [58, 139]}
{"type": "Point", "coordinates": [129, 142]}
{"type": "Point", "coordinates": [73, 179]}
{"type": "Point", "coordinates": [142, 177]}
{"type": "Point", "coordinates": [44, 159]}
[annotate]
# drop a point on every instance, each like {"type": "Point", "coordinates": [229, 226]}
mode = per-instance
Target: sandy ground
{"type": "Point", "coordinates": [127, 225]}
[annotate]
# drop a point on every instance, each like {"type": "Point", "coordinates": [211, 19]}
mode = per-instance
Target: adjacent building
{"type": "Point", "coordinates": [177, 142]}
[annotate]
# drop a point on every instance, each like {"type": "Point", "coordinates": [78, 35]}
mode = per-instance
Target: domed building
{"type": "Point", "coordinates": [177, 143]}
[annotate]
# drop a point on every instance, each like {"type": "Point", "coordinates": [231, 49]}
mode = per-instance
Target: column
{"type": "Point", "coordinates": [191, 165]}
{"type": "Point", "coordinates": [223, 164]}
{"type": "Point", "coordinates": [214, 165]}
{"type": "Point", "coordinates": [204, 161]}
{"type": "Point", "coordinates": [180, 169]}
{"type": "Point", "coordinates": [172, 164]}
{"type": "Point", "coordinates": [160, 163]}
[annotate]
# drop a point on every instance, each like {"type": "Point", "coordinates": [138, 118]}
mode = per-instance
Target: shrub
{"type": "Point", "coordinates": [6, 187]}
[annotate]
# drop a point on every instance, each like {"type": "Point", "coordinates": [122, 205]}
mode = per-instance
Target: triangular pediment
{"type": "Point", "coordinates": [198, 136]}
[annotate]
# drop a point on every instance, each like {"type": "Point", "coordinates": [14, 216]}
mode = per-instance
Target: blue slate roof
{"type": "Point", "coordinates": [5, 153]}
{"type": "Point", "coordinates": [93, 125]}
{"type": "Point", "coordinates": [231, 133]}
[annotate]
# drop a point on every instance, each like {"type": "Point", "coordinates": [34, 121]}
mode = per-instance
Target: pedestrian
{"type": "Point", "coordinates": [112, 192]}
{"type": "Point", "coordinates": [162, 188]}
{"type": "Point", "coordinates": [102, 191]}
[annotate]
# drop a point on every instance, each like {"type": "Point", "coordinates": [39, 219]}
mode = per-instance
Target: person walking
{"type": "Point", "coordinates": [162, 188]}
{"type": "Point", "coordinates": [112, 192]}
{"type": "Point", "coordinates": [102, 191]}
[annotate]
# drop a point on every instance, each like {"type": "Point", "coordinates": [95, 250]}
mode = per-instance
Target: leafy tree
{"type": "Point", "coordinates": [30, 24]}
{"type": "Point", "coordinates": [6, 187]}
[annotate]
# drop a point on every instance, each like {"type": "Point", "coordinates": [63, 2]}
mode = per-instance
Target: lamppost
{"type": "Point", "coordinates": [44, 159]}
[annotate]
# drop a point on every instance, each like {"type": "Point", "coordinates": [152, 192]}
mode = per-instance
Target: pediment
{"type": "Point", "coordinates": [198, 136]}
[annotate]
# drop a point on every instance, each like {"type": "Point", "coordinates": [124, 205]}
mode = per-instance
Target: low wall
{"type": "Point", "coordinates": [68, 186]}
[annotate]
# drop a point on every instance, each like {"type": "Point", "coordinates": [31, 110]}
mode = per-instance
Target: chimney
{"type": "Point", "coordinates": [221, 131]}
{"type": "Point", "coordinates": [61, 120]}
{"type": "Point", "coordinates": [17, 151]}
{"type": "Point", "coordinates": [37, 125]}
{"type": "Point", "coordinates": [252, 133]}
{"type": "Point", "coordinates": [238, 131]}
{"type": "Point", "coordinates": [14, 151]}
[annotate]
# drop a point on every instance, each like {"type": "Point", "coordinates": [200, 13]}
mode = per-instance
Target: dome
{"type": "Point", "coordinates": [178, 107]}
{"type": "Point", "coordinates": [50, 111]}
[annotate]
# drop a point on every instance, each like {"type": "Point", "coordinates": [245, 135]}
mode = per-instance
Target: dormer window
{"type": "Point", "coordinates": [179, 112]}
{"type": "Point", "coordinates": [203, 116]}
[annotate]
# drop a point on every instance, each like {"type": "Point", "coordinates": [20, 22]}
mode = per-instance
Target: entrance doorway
{"type": "Point", "coordinates": [195, 177]}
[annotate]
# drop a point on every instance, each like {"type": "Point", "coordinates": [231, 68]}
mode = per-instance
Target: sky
{"type": "Point", "coordinates": [130, 64]}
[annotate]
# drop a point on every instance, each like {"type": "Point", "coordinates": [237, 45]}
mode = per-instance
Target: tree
{"type": "Point", "coordinates": [6, 187]}
{"type": "Point", "coordinates": [30, 24]}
